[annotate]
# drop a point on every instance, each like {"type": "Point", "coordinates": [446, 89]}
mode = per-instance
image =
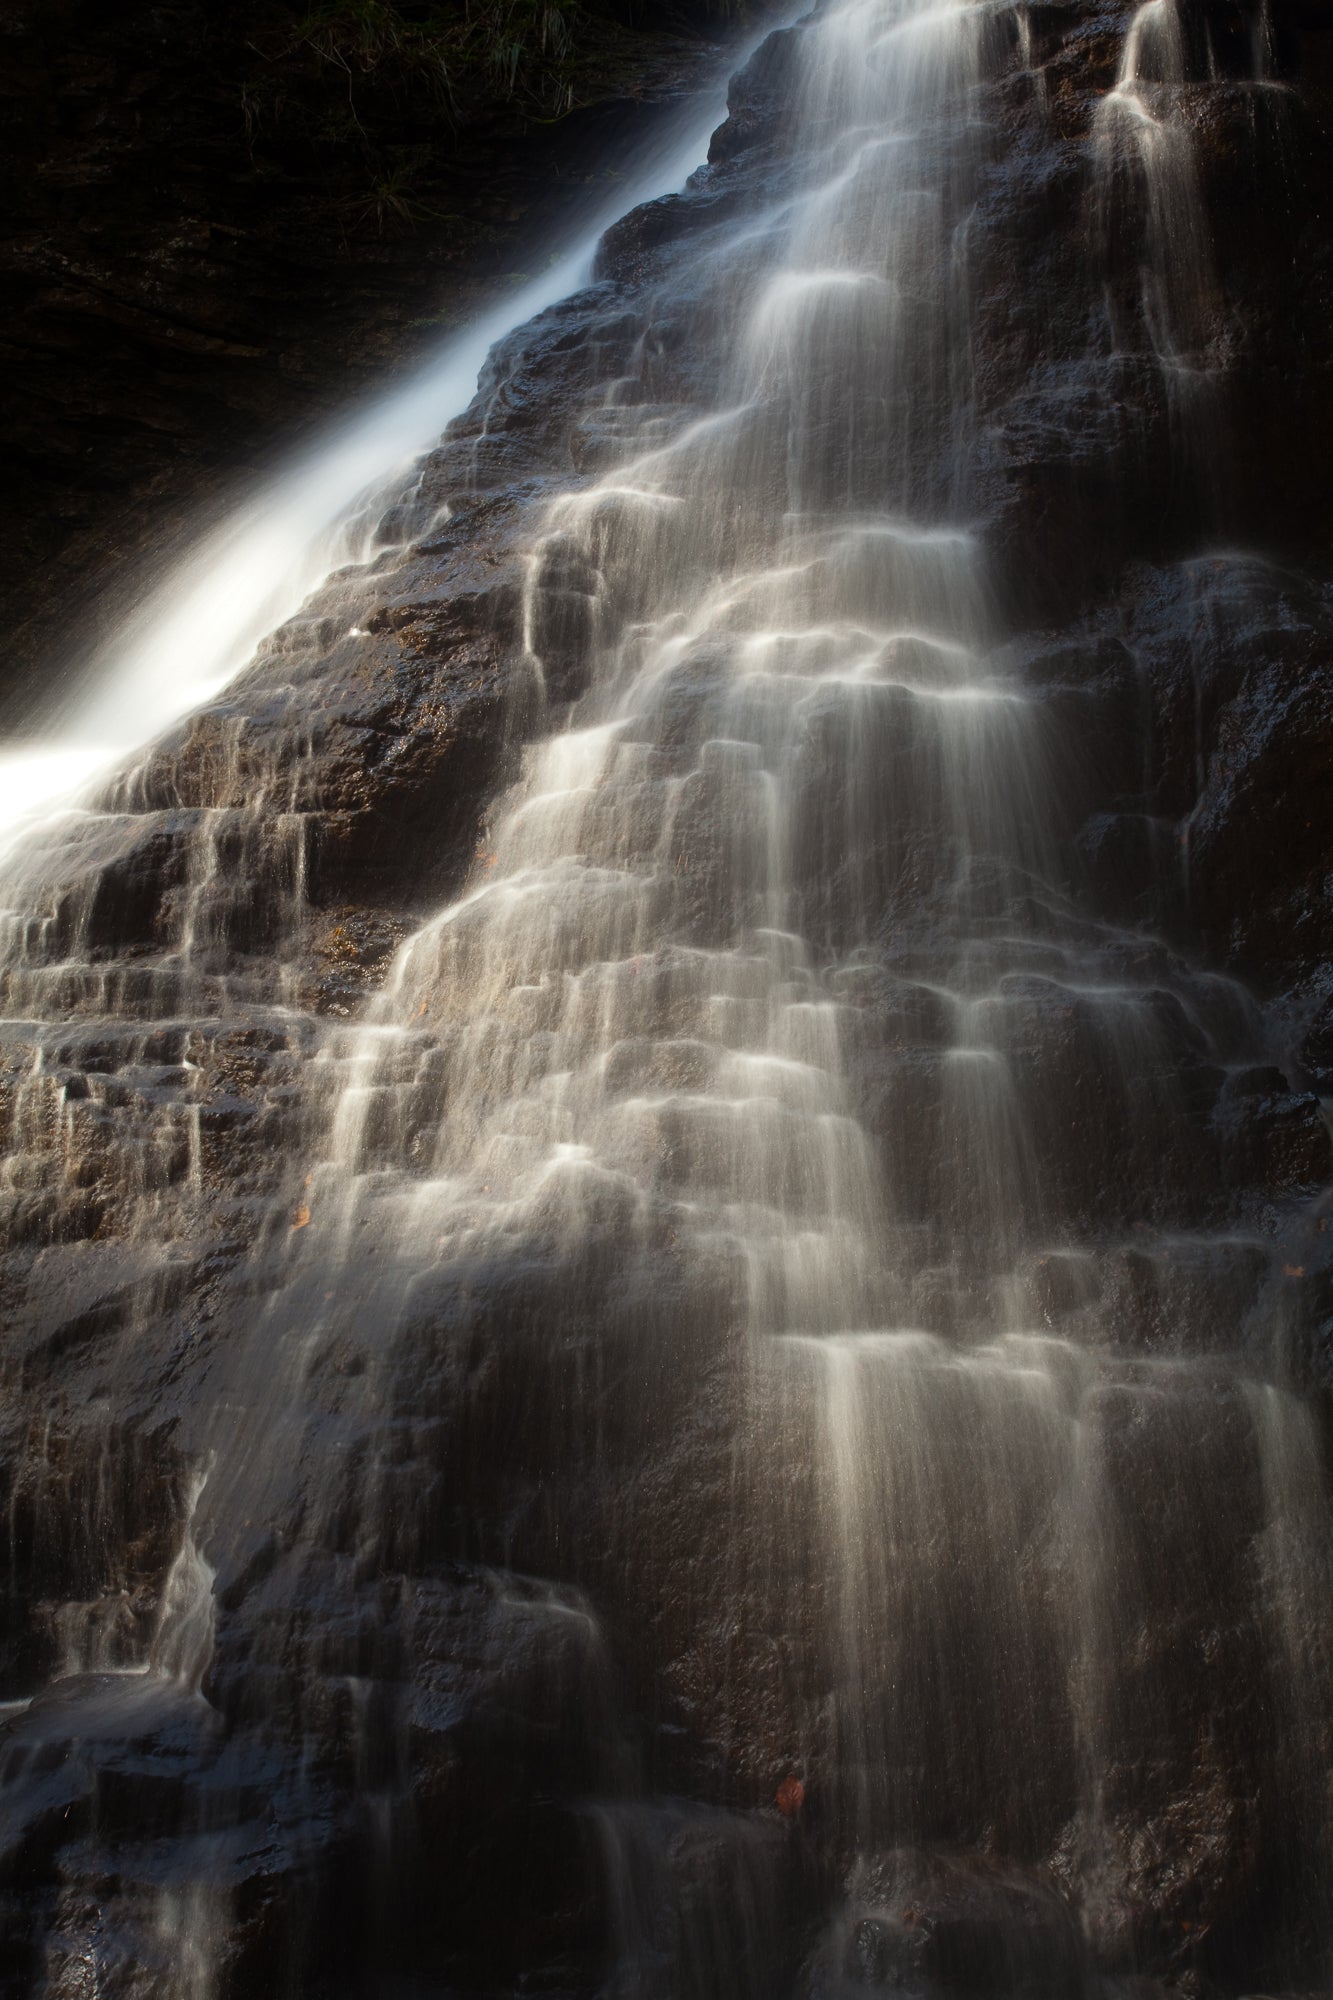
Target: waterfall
{"type": "Point", "coordinates": [745, 1385]}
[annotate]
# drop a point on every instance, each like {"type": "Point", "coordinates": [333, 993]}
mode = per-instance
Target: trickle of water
{"type": "Point", "coordinates": [1141, 129]}
{"type": "Point", "coordinates": [183, 1642]}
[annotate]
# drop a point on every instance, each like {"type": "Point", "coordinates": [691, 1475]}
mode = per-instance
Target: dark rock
{"type": "Point", "coordinates": [760, 96]}
{"type": "Point", "coordinates": [965, 1925]}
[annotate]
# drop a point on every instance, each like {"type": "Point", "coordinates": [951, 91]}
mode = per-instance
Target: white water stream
{"type": "Point", "coordinates": [196, 628]}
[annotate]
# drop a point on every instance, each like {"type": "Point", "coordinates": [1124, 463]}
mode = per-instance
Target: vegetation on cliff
{"type": "Point", "coordinates": [460, 55]}
{"type": "Point", "coordinates": [392, 90]}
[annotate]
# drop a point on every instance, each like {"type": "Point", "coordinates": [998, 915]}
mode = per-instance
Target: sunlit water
{"type": "Point", "coordinates": [196, 629]}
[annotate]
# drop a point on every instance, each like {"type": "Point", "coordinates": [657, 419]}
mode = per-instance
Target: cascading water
{"type": "Point", "coordinates": [779, 1296]}
{"type": "Point", "coordinates": [1141, 132]}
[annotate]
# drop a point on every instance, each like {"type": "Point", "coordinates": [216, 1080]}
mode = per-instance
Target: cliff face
{"type": "Point", "coordinates": [223, 220]}
{"type": "Point", "coordinates": [466, 1591]}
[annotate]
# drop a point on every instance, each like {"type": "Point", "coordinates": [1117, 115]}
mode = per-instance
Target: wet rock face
{"type": "Point", "coordinates": [522, 1571]}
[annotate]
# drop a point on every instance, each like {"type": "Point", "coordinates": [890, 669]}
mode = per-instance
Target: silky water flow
{"type": "Point", "coordinates": [714, 1089]}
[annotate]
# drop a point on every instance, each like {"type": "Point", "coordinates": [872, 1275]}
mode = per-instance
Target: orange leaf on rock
{"type": "Point", "coordinates": [791, 1796]}
{"type": "Point", "coordinates": [301, 1215]}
